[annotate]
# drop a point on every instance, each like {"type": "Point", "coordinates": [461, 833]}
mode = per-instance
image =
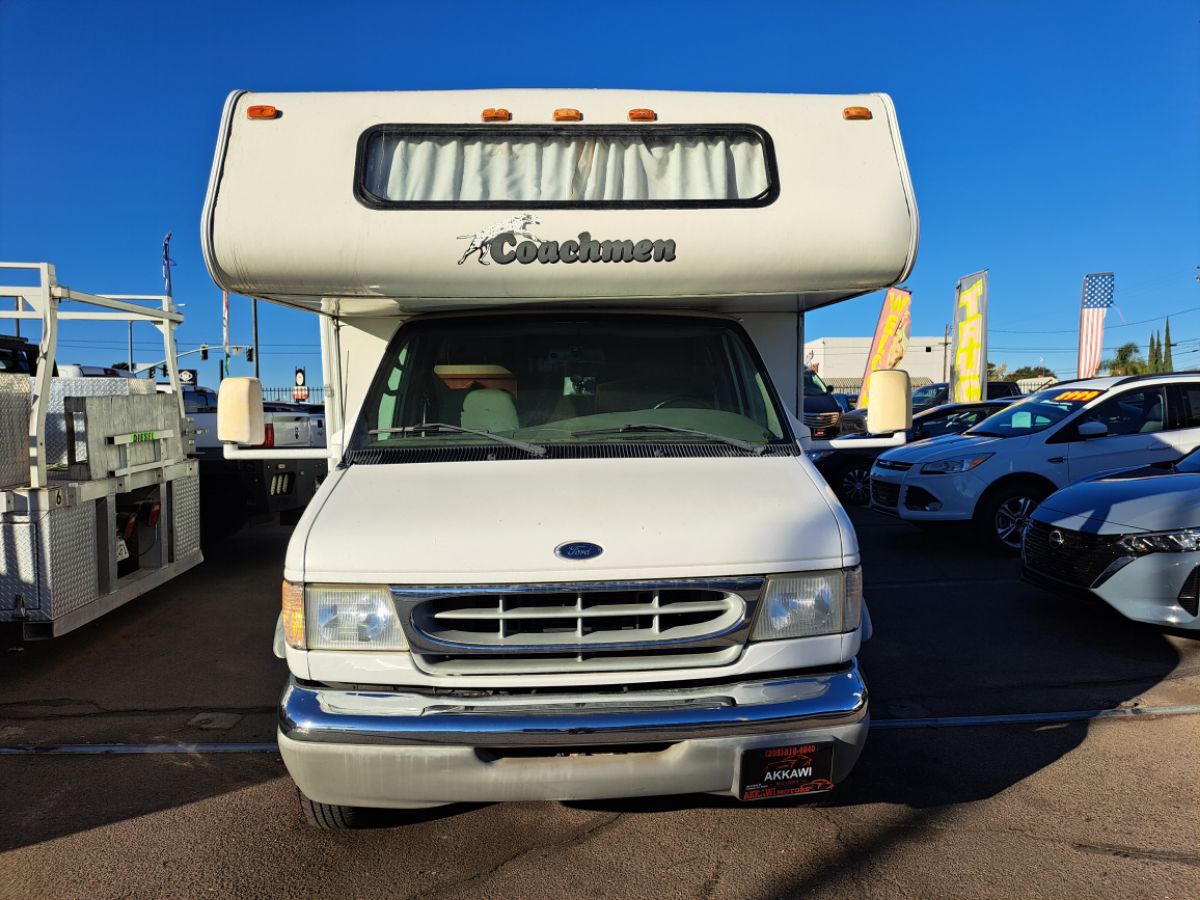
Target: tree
{"type": "Point", "coordinates": [123, 366]}
{"type": "Point", "coordinates": [1127, 361]}
{"type": "Point", "coordinates": [1030, 372]}
{"type": "Point", "coordinates": [997, 372]}
{"type": "Point", "coordinates": [1152, 357]}
{"type": "Point", "coordinates": [1168, 364]}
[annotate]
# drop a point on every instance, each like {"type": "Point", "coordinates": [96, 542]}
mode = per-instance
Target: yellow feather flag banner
{"type": "Point", "coordinates": [968, 341]}
{"type": "Point", "coordinates": [891, 338]}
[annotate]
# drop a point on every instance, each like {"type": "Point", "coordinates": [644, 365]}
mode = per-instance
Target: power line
{"type": "Point", "coordinates": [1109, 327]}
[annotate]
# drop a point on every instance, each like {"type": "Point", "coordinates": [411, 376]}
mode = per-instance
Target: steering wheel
{"type": "Point", "coordinates": [682, 400]}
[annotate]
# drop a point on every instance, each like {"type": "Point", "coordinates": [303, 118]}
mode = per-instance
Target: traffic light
{"type": "Point", "coordinates": [204, 351]}
{"type": "Point", "coordinates": [249, 354]}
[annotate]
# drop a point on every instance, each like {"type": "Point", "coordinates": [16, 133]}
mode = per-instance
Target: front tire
{"type": "Point", "coordinates": [1001, 517]}
{"type": "Point", "coordinates": [328, 816]}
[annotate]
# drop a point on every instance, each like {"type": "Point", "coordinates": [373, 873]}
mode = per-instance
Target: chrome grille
{"type": "Point", "coordinates": [821, 420]}
{"type": "Point", "coordinates": [893, 465]}
{"type": "Point", "coordinates": [596, 626]}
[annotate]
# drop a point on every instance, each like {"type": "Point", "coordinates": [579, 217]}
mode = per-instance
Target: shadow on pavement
{"type": "Point", "coordinates": [199, 644]}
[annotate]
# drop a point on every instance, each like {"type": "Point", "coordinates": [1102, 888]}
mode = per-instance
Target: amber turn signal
{"type": "Point", "coordinates": [262, 112]}
{"type": "Point", "coordinates": [293, 615]}
{"type": "Point", "coordinates": [492, 114]}
{"type": "Point", "coordinates": [566, 114]}
{"type": "Point", "coordinates": [642, 115]}
{"type": "Point", "coordinates": [856, 112]}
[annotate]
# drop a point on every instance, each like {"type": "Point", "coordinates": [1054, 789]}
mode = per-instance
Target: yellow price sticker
{"type": "Point", "coordinates": [1078, 396]}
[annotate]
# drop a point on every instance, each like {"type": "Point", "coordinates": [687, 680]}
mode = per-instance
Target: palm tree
{"type": "Point", "coordinates": [1127, 361]}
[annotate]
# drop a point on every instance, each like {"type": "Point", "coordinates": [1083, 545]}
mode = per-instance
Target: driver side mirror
{"type": "Point", "coordinates": [240, 412]}
{"type": "Point", "coordinates": [889, 405]}
{"type": "Point", "coordinates": [1089, 430]}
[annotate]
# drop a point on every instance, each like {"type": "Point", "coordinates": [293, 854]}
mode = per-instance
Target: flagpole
{"type": "Point", "coordinates": [1079, 355]}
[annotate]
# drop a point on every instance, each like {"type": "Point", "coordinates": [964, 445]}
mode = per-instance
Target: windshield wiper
{"type": "Point", "coordinates": [756, 449]}
{"type": "Point", "coordinates": [435, 427]}
{"type": "Point", "coordinates": [986, 433]}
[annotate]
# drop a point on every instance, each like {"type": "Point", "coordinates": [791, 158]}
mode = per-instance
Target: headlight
{"type": "Point", "coordinates": [810, 603]}
{"type": "Point", "coordinates": [954, 466]}
{"type": "Point", "coordinates": [1162, 542]}
{"type": "Point", "coordinates": [341, 617]}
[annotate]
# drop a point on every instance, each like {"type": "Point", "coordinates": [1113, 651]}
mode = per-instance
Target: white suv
{"type": "Point", "coordinates": [997, 472]}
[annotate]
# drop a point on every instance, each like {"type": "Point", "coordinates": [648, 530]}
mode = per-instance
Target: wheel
{"type": "Point", "coordinates": [854, 484]}
{"type": "Point", "coordinates": [328, 816]}
{"type": "Point", "coordinates": [1002, 515]}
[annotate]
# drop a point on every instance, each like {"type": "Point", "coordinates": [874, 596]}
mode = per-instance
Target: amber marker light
{"type": "Point", "coordinates": [642, 115]}
{"type": "Point", "coordinates": [496, 114]}
{"type": "Point", "coordinates": [293, 615]}
{"type": "Point", "coordinates": [856, 112]}
{"type": "Point", "coordinates": [565, 114]}
{"type": "Point", "coordinates": [262, 112]}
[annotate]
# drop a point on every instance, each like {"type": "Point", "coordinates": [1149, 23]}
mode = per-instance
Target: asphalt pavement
{"type": "Point", "coordinates": [1057, 806]}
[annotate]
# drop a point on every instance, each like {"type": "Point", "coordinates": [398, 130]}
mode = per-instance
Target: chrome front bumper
{"type": "Point", "coordinates": [397, 749]}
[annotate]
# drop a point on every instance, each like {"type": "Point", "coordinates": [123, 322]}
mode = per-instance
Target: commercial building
{"type": "Point", "coordinates": [840, 361]}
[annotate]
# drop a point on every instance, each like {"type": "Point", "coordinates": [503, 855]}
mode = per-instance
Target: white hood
{"type": "Point", "coordinates": [948, 446]}
{"type": "Point", "coordinates": [482, 522]}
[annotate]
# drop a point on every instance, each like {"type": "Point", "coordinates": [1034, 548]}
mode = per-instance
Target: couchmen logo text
{"type": "Point", "coordinates": [511, 241]}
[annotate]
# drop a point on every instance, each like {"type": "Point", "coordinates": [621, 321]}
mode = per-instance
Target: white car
{"type": "Point", "coordinates": [1130, 538]}
{"type": "Point", "coordinates": [995, 474]}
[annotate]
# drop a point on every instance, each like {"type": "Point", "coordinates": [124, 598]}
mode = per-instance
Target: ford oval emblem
{"type": "Point", "coordinates": [578, 550]}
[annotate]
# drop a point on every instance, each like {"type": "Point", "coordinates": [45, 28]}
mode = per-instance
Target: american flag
{"type": "Point", "coordinates": [1097, 298]}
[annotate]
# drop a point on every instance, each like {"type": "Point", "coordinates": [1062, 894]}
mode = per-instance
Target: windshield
{"type": "Point", "coordinates": [813, 385]}
{"type": "Point", "coordinates": [1037, 413]}
{"type": "Point", "coordinates": [544, 380]}
{"type": "Point", "coordinates": [929, 394]}
{"type": "Point", "coordinates": [1190, 463]}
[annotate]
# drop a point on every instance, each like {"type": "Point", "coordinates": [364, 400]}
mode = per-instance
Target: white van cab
{"type": "Point", "coordinates": [570, 545]}
{"type": "Point", "coordinates": [997, 472]}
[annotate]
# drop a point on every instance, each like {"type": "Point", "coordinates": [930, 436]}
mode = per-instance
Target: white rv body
{"type": "Point", "coordinates": [294, 215]}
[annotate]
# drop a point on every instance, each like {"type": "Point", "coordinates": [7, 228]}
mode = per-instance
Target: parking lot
{"type": "Point", "coordinates": [940, 804]}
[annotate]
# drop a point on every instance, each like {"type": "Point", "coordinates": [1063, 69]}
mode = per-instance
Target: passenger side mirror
{"type": "Point", "coordinates": [240, 412]}
{"type": "Point", "coordinates": [889, 408]}
{"type": "Point", "coordinates": [1089, 430]}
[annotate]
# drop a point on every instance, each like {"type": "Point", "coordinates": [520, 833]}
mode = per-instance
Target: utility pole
{"type": "Point", "coordinates": [945, 354]}
{"type": "Point", "coordinates": [225, 334]}
{"type": "Point", "coordinates": [254, 338]}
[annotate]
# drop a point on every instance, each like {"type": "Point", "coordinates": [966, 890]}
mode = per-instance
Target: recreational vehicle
{"type": "Point", "coordinates": [570, 546]}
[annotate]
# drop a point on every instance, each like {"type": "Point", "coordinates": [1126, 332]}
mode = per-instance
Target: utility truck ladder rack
{"type": "Point", "coordinates": [99, 500]}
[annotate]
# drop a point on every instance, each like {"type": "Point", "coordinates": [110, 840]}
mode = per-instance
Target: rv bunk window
{"type": "Point", "coordinates": [584, 379]}
{"type": "Point", "coordinates": [564, 167]}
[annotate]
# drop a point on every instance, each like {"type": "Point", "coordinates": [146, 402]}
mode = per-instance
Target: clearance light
{"type": "Point", "coordinates": [293, 615]}
{"type": "Point", "coordinates": [566, 114]}
{"type": "Point", "coordinates": [262, 112]}
{"type": "Point", "coordinates": [857, 112]}
{"type": "Point", "coordinates": [493, 114]}
{"type": "Point", "coordinates": [642, 115]}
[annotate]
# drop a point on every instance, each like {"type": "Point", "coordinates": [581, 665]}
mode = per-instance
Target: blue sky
{"type": "Point", "coordinates": [1046, 139]}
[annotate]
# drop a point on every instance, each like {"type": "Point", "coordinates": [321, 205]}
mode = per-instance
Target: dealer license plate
{"type": "Point", "coordinates": [786, 771]}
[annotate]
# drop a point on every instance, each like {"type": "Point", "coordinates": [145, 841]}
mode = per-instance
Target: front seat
{"type": "Point", "coordinates": [489, 409]}
{"type": "Point", "coordinates": [1154, 417]}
